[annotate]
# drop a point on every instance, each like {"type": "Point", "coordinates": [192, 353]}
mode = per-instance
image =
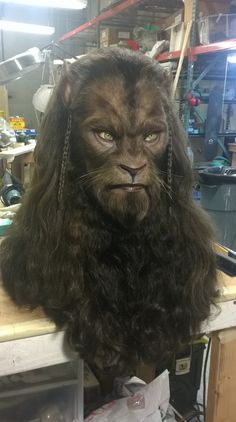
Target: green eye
{"type": "Point", "coordinates": [152, 137]}
{"type": "Point", "coordinates": [105, 136]}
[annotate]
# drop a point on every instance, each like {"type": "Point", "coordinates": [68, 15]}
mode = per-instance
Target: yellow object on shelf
{"type": "Point", "coordinates": [17, 123]}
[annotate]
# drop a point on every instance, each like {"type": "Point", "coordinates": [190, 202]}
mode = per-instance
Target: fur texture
{"type": "Point", "coordinates": [129, 271]}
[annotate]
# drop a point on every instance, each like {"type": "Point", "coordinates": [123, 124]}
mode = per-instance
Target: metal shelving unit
{"type": "Point", "coordinates": [219, 47]}
{"type": "Point", "coordinates": [129, 13]}
{"type": "Point", "coordinates": [126, 14]}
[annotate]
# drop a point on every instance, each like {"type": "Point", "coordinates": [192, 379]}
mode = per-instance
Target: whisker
{"type": "Point", "coordinates": [167, 189]}
{"type": "Point", "coordinates": [158, 180]}
{"type": "Point", "coordinates": [90, 173]}
{"type": "Point", "coordinates": [173, 174]}
{"type": "Point", "coordinates": [165, 184]}
{"type": "Point", "coordinates": [90, 178]}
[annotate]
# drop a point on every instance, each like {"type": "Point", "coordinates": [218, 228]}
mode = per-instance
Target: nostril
{"type": "Point", "coordinates": [133, 171]}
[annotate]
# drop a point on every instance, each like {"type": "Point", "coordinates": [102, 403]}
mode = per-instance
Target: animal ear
{"type": "Point", "coordinates": [65, 84]}
{"type": "Point", "coordinates": [168, 82]}
{"type": "Point", "coordinates": [67, 94]}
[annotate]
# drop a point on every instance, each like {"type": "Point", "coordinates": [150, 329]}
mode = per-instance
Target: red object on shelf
{"type": "Point", "coordinates": [200, 49]}
{"type": "Point", "coordinates": [193, 101]}
{"type": "Point", "coordinates": [133, 45]}
{"type": "Point", "coordinates": [101, 17]}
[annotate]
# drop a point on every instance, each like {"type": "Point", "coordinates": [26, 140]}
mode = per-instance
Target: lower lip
{"type": "Point", "coordinates": [129, 188]}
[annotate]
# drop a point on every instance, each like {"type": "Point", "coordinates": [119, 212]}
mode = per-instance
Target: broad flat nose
{"type": "Point", "coordinates": [133, 171]}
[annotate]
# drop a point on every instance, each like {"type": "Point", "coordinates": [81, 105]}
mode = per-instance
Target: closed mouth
{"type": "Point", "coordinates": [129, 187]}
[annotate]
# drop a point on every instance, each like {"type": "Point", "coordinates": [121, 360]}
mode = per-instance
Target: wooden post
{"type": "Point", "coordinates": [221, 403]}
{"type": "Point", "coordinates": [4, 102]}
{"type": "Point", "coordinates": [182, 54]}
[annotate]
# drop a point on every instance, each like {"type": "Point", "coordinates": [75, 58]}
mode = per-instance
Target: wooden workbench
{"type": "Point", "coordinates": [31, 337]}
{"type": "Point", "coordinates": [28, 340]}
{"type": "Point", "coordinates": [19, 322]}
{"type": "Point", "coordinates": [221, 403]}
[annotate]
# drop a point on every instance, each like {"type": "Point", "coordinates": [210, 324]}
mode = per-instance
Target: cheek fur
{"type": "Point", "coordinates": [124, 206]}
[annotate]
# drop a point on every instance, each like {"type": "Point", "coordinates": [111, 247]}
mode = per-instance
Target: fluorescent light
{"type": "Point", "coordinates": [26, 27]}
{"type": "Point", "coordinates": [231, 58]}
{"type": "Point", "coordinates": [63, 4]}
{"type": "Point", "coordinates": [58, 62]}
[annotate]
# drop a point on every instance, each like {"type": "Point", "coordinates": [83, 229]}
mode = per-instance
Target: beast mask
{"type": "Point", "coordinates": [108, 239]}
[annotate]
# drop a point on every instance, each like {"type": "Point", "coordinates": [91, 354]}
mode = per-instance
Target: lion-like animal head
{"type": "Point", "coordinates": [122, 122]}
{"type": "Point", "coordinates": [108, 239]}
{"type": "Point", "coordinates": [120, 133]}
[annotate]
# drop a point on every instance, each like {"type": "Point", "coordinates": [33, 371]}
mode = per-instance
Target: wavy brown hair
{"type": "Point", "coordinates": [108, 239]}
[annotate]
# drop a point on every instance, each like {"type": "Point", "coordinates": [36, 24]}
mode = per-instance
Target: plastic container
{"type": "Point", "coordinates": [218, 198]}
{"type": "Point", "coordinates": [216, 28]}
{"type": "Point", "coordinates": [5, 223]}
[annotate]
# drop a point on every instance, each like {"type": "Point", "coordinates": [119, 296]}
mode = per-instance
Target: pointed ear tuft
{"type": "Point", "coordinates": [168, 82]}
{"type": "Point", "coordinates": [67, 94]}
{"type": "Point", "coordinates": [65, 90]}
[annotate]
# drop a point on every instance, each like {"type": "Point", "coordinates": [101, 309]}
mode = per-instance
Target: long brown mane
{"type": "Point", "coordinates": [126, 287]}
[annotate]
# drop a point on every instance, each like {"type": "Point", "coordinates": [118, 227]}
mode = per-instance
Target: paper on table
{"type": "Point", "coordinates": [148, 404]}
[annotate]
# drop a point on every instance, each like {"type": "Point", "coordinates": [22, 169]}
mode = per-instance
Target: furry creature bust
{"type": "Point", "coordinates": [108, 239]}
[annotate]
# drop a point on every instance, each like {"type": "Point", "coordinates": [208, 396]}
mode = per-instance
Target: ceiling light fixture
{"type": "Point", "coordinates": [63, 4]}
{"type": "Point", "coordinates": [26, 27]}
{"type": "Point", "coordinates": [231, 58]}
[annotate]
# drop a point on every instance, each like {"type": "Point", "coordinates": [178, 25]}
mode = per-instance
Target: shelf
{"type": "Point", "coordinates": [206, 101]}
{"type": "Point", "coordinates": [102, 16]}
{"type": "Point", "coordinates": [198, 50]}
{"type": "Point", "coordinates": [128, 13]}
{"type": "Point", "coordinates": [11, 153]}
{"type": "Point", "coordinates": [220, 135]}
{"type": "Point", "coordinates": [211, 77]}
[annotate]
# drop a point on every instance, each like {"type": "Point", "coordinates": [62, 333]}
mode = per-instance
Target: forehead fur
{"type": "Point", "coordinates": [111, 99]}
{"type": "Point", "coordinates": [126, 86]}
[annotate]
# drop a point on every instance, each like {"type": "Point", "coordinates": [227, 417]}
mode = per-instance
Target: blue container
{"type": "Point", "coordinates": [218, 198]}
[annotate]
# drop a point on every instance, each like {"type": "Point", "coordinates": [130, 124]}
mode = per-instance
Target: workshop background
{"type": "Point", "coordinates": [195, 41]}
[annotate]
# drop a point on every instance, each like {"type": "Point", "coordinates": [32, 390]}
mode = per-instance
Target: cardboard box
{"type": "Point", "coordinates": [216, 28]}
{"type": "Point", "coordinates": [206, 8]}
{"type": "Point", "coordinates": [146, 372]}
{"type": "Point", "coordinates": [176, 37]}
{"type": "Point", "coordinates": [213, 7]}
{"type": "Point", "coordinates": [17, 123]}
{"type": "Point", "coordinates": [111, 36]}
{"type": "Point", "coordinates": [221, 405]}
{"type": "Point", "coordinates": [175, 19]}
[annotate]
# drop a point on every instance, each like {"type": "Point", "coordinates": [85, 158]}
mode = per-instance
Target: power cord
{"type": "Point", "coordinates": [204, 377]}
{"type": "Point", "coordinates": [198, 407]}
{"type": "Point", "coordinates": [192, 416]}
